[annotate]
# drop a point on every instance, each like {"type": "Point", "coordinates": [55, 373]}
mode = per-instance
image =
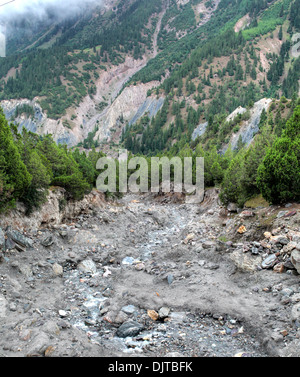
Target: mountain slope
{"type": "Point", "coordinates": [74, 70]}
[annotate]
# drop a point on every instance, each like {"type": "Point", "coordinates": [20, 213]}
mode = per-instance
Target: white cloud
{"type": "Point", "coordinates": [40, 8]}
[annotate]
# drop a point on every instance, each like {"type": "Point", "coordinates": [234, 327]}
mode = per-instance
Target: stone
{"type": "Point", "coordinates": [47, 241]}
{"type": "Point", "coordinates": [269, 262]}
{"type": "Point", "coordinates": [295, 313]}
{"type": "Point", "coordinates": [128, 261]}
{"type": "Point", "coordinates": [281, 214]}
{"type": "Point", "coordinates": [38, 345]}
{"type": "Point", "coordinates": [3, 306]}
{"type": "Point", "coordinates": [87, 266]}
{"type": "Point", "coordinates": [279, 268]}
{"type": "Point", "coordinates": [242, 229]}
{"type": "Point", "coordinates": [295, 259]}
{"type": "Point", "coordinates": [129, 309]}
{"type": "Point", "coordinates": [19, 238]}
{"type": "Point", "coordinates": [130, 328]}
{"type": "Point", "coordinates": [140, 266]}
{"type": "Point", "coordinates": [9, 244]}
{"type": "Point", "coordinates": [170, 279]}
{"type": "Point", "coordinates": [208, 244]}
{"type": "Point", "coordinates": [246, 214]}
{"type": "Point", "coordinates": [2, 240]}
{"type": "Point", "coordinates": [121, 318]}
{"type": "Point", "coordinates": [288, 264]}
{"type": "Point", "coordinates": [246, 262]}
{"type": "Point", "coordinates": [163, 312]}
{"type": "Point", "coordinates": [287, 292]}
{"type": "Point", "coordinates": [62, 313]}
{"type": "Point", "coordinates": [268, 235]}
{"type": "Point", "coordinates": [232, 207]}
{"type": "Point", "coordinates": [57, 269]}
{"type": "Point", "coordinates": [25, 270]}
{"type": "Point", "coordinates": [153, 315]}
{"type": "Point", "coordinates": [189, 238]}
{"type": "Point", "coordinates": [296, 298]}
{"type": "Point", "coordinates": [290, 214]}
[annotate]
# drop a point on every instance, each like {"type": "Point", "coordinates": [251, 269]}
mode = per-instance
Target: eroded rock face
{"type": "Point", "coordinates": [250, 127]}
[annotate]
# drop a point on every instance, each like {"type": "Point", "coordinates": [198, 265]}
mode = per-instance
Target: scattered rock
{"type": "Point", "coordinates": [3, 306]}
{"type": "Point", "coordinates": [295, 259]}
{"type": "Point", "coordinates": [2, 240]}
{"type": "Point", "coordinates": [242, 229]}
{"type": "Point", "coordinates": [269, 262]}
{"type": "Point", "coordinates": [163, 312]}
{"type": "Point", "coordinates": [246, 262]}
{"type": "Point", "coordinates": [153, 315]}
{"type": "Point", "coordinates": [130, 328]}
{"type": "Point", "coordinates": [48, 241]}
{"type": "Point", "coordinates": [38, 345]}
{"type": "Point", "coordinates": [295, 313]}
{"type": "Point", "coordinates": [57, 269]}
{"type": "Point", "coordinates": [129, 309]}
{"type": "Point", "coordinates": [232, 207]}
{"type": "Point", "coordinates": [170, 279]}
{"type": "Point", "coordinates": [87, 266]}
{"type": "Point", "coordinates": [19, 238]}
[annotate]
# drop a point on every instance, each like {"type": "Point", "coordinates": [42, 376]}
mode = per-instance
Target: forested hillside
{"type": "Point", "coordinates": [206, 58]}
{"type": "Point", "coordinates": [229, 70]}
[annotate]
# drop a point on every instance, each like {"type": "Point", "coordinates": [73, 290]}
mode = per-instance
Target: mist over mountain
{"type": "Point", "coordinates": [43, 9]}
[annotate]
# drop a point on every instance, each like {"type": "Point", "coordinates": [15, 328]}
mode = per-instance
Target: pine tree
{"type": "Point", "coordinates": [14, 177]}
{"type": "Point", "coordinates": [279, 173]}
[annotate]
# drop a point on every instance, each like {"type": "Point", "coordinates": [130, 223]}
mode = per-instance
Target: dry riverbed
{"type": "Point", "coordinates": [151, 276]}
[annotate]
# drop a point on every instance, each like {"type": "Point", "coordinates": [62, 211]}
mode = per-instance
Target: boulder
{"type": "Point", "coordinates": [130, 328]}
{"type": "Point", "coordinates": [19, 238]}
{"type": "Point", "coordinates": [2, 240]}
{"type": "Point", "coordinates": [246, 262]}
{"type": "Point", "coordinates": [269, 262]}
{"type": "Point", "coordinates": [232, 207]}
{"type": "Point", "coordinates": [87, 266]}
{"type": "Point", "coordinates": [47, 241]}
{"type": "Point", "coordinates": [295, 259]}
{"type": "Point", "coordinates": [3, 306]}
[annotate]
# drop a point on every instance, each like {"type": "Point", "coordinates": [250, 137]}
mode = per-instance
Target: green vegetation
{"type": "Point", "coordinates": [208, 72]}
{"type": "Point", "coordinates": [279, 173]}
{"type": "Point", "coordinates": [270, 18]}
{"type": "Point", "coordinates": [30, 164]}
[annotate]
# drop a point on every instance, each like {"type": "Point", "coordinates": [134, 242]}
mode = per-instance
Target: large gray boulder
{"type": "Point", "coordinates": [130, 328]}
{"type": "Point", "coordinates": [2, 240]}
{"type": "Point", "coordinates": [19, 238]}
{"type": "Point", "coordinates": [295, 259]}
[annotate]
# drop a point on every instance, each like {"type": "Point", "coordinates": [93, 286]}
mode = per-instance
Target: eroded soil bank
{"type": "Point", "coordinates": [154, 277]}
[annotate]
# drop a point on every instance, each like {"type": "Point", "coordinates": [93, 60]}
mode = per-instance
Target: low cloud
{"type": "Point", "coordinates": [41, 9]}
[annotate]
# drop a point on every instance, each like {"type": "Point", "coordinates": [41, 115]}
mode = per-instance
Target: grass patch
{"type": "Point", "coordinates": [257, 201]}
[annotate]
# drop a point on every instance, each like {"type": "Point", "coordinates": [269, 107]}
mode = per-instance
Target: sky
{"type": "Point", "coordinates": [39, 8]}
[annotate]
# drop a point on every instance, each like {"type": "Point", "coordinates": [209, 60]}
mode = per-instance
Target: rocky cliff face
{"type": "Point", "coordinates": [250, 127]}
